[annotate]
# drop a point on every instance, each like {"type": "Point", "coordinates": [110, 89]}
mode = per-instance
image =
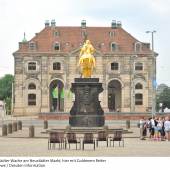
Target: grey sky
{"type": "Point", "coordinates": [19, 16]}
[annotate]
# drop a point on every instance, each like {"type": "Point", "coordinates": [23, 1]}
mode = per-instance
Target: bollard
{"type": "Point", "coordinates": [19, 125]}
{"type": "Point", "coordinates": [168, 136]}
{"type": "Point", "coordinates": [127, 124]}
{"type": "Point", "coordinates": [31, 131]}
{"type": "Point", "coordinates": [4, 130]}
{"type": "Point", "coordinates": [45, 124]}
{"type": "Point", "coordinates": [14, 126]}
{"type": "Point", "coordinates": [9, 128]}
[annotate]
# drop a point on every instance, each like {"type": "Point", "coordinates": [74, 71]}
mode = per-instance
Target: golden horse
{"type": "Point", "coordinates": [87, 61]}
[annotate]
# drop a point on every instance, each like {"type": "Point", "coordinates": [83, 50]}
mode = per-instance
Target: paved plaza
{"type": "Point", "coordinates": [19, 144]}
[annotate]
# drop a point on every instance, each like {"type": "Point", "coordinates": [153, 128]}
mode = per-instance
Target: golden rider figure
{"type": "Point", "coordinates": [87, 60]}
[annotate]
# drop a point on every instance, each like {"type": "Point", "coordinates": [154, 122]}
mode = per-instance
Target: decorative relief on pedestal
{"type": "Point", "coordinates": [86, 110]}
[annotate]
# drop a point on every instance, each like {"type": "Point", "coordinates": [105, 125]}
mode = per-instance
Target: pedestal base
{"type": "Point", "coordinates": [86, 121]}
{"type": "Point", "coordinates": [86, 110]}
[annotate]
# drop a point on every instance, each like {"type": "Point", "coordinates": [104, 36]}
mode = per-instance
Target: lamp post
{"type": "Point", "coordinates": [153, 74]}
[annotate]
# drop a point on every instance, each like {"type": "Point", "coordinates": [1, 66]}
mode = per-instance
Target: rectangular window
{"type": "Point", "coordinates": [57, 66]}
{"type": "Point", "coordinates": [32, 66]}
{"type": "Point", "coordinates": [31, 99]}
{"type": "Point", "coordinates": [114, 66]}
{"type": "Point", "coordinates": [138, 99]}
{"type": "Point", "coordinates": [138, 66]}
{"type": "Point", "coordinates": [113, 47]}
{"type": "Point", "coordinates": [57, 47]}
{"type": "Point", "coordinates": [32, 46]}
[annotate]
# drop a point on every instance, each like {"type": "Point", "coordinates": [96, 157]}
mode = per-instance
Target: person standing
{"type": "Point", "coordinates": [167, 128]}
{"type": "Point", "coordinates": [160, 127]}
{"type": "Point", "coordinates": [152, 127]}
{"type": "Point", "coordinates": [142, 125]}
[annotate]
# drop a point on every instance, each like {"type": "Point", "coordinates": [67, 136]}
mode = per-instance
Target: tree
{"type": "Point", "coordinates": [6, 90]}
{"type": "Point", "coordinates": [164, 98]}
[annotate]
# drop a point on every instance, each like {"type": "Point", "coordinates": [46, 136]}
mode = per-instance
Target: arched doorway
{"type": "Point", "coordinates": [56, 96]}
{"type": "Point", "coordinates": [114, 96]}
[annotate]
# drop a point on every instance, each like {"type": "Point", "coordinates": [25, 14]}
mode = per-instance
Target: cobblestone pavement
{"type": "Point", "coordinates": [18, 144]}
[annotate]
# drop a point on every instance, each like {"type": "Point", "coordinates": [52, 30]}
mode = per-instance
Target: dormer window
{"type": "Point", "coordinates": [114, 66]}
{"type": "Point", "coordinates": [138, 66]}
{"type": "Point", "coordinates": [113, 47]}
{"type": "Point", "coordinates": [32, 66]}
{"type": "Point", "coordinates": [32, 45]}
{"type": "Point", "coordinates": [56, 33]}
{"type": "Point", "coordinates": [57, 46]}
{"type": "Point", "coordinates": [111, 34]}
{"type": "Point", "coordinates": [56, 66]}
{"type": "Point", "coordinates": [138, 47]}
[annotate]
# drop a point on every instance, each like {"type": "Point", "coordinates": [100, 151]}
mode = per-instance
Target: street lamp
{"type": "Point", "coordinates": [153, 74]}
{"type": "Point", "coordinates": [152, 34]}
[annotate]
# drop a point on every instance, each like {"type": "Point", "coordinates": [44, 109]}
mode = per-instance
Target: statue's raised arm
{"type": "Point", "coordinates": [87, 60]}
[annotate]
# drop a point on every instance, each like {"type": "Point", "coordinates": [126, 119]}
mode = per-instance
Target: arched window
{"type": "Point", "coordinates": [114, 66]}
{"type": "Point", "coordinates": [138, 86]}
{"type": "Point", "coordinates": [138, 47]}
{"type": "Point", "coordinates": [32, 66]}
{"type": "Point", "coordinates": [31, 99]}
{"type": "Point", "coordinates": [138, 99]}
{"type": "Point", "coordinates": [113, 46]}
{"type": "Point", "coordinates": [57, 46]}
{"type": "Point", "coordinates": [138, 66]}
{"type": "Point", "coordinates": [31, 86]}
{"type": "Point", "coordinates": [57, 66]}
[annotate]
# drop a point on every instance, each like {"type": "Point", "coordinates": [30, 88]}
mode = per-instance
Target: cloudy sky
{"type": "Point", "coordinates": [137, 16]}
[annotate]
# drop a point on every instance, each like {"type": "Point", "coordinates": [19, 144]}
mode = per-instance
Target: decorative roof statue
{"type": "Point", "coordinates": [87, 60]}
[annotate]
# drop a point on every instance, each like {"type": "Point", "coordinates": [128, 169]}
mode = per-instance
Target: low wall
{"type": "Point", "coordinates": [108, 116]}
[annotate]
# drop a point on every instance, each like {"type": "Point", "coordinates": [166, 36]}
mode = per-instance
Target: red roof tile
{"type": "Point", "coordinates": [70, 38]}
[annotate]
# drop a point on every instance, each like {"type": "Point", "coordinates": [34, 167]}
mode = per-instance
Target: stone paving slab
{"type": "Point", "coordinates": [38, 147]}
{"type": "Point", "coordinates": [19, 144]}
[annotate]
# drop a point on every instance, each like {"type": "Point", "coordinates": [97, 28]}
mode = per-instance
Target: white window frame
{"type": "Point", "coordinates": [135, 66]}
{"type": "Point", "coordinates": [140, 48]}
{"type": "Point", "coordinates": [32, 47]}
{"type": "Point", "coordinates": [32, 71]}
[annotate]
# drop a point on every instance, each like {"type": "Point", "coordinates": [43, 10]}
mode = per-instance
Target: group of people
{"type": "Point", "coordinates": [158, 127]}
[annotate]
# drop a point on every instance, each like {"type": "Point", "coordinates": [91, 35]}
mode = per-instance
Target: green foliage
{"type": "Point", "coordinates": [164, 98]}
{"type": "Point", "coordinates": [6, 90]}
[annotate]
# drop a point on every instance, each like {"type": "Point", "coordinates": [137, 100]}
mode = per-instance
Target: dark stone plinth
{"type": "Point", "coordinates": [86, 110]}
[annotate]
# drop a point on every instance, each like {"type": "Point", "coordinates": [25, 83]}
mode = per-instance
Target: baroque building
{"type": "Point", "coordinates": [46, 66]}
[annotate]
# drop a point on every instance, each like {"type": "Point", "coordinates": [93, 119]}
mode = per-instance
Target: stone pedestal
{"type": "Point", "coordinates": [86, 110]}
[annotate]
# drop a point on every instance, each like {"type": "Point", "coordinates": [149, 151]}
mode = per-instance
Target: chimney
{"type": "Point", "coordinates": [83, 24]}
{"type": "Point", "coordinates": [113, 24]}
{"type": "Point", "coordinates": [53, 22]}
{"type": "Point", "coordinates": [47, 23]}
{"type": "Point", "coordinates": [119, 24]}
